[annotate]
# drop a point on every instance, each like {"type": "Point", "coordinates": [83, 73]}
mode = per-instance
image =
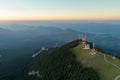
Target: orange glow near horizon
{"type": "Point", "coordinates": [63, 18]}
{"type": "Point", "coordinates": [59, 10]}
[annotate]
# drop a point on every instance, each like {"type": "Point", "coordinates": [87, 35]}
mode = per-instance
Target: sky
{"type": "Point", "coordinates": [59, 9]}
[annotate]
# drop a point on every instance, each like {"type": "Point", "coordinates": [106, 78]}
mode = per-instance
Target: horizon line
{"type": "Point", "coordinates": [64, 20]}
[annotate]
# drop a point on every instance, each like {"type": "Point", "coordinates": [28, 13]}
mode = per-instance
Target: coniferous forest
{"type": "Point", "coordinates": [61, 64]}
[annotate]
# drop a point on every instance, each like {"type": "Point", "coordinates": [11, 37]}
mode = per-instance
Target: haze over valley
{"type": "Point", "coordinates": [59, 40]}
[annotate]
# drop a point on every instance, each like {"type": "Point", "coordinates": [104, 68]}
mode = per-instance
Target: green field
{"type": "Point", "coordinates": [106, 70]}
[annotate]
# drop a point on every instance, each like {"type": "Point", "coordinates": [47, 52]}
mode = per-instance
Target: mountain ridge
{"type": "Point", "coordinates": [70, 62]}
{"type": "Point", "coordinates": [61, 64]}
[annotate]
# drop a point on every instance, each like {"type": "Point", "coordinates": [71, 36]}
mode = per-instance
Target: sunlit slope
{"type": "Point", "coordinates": [104, 64]}
{"type": "Point", "coordinates": [60, 64]}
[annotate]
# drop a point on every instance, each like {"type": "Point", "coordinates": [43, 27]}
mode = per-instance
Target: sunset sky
{"type": "Point", "coordinates": [59, 9]}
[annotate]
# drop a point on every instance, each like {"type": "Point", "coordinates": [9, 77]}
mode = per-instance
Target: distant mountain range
{"type": "Point", "coordinates": [102, 34]}
{"type": "Point", "coordinates": [19, 41]}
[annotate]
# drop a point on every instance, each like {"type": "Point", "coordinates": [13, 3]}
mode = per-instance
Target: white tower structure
{"type": "Point", "coordinates": [93, 51]}
{"type": "Point", "coordinates": [79, 38]}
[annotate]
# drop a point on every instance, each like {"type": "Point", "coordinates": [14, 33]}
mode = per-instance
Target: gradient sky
{"type": "Point", "coordinates": [59, 9]}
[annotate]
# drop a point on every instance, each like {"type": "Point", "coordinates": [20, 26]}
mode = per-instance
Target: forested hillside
{"type": "Point", "coordinates": [61, 64]}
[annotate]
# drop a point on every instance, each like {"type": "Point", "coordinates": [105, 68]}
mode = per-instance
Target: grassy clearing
{"type": "Point", "coordinates": [106, 70]}
{"type": "Point", "coordinates": [116, 61]}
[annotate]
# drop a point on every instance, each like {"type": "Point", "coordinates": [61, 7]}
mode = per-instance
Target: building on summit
{"type": "Point", "coordinates": [88, 46]}
{"type": "Point", "coordinates": [93, 49]}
